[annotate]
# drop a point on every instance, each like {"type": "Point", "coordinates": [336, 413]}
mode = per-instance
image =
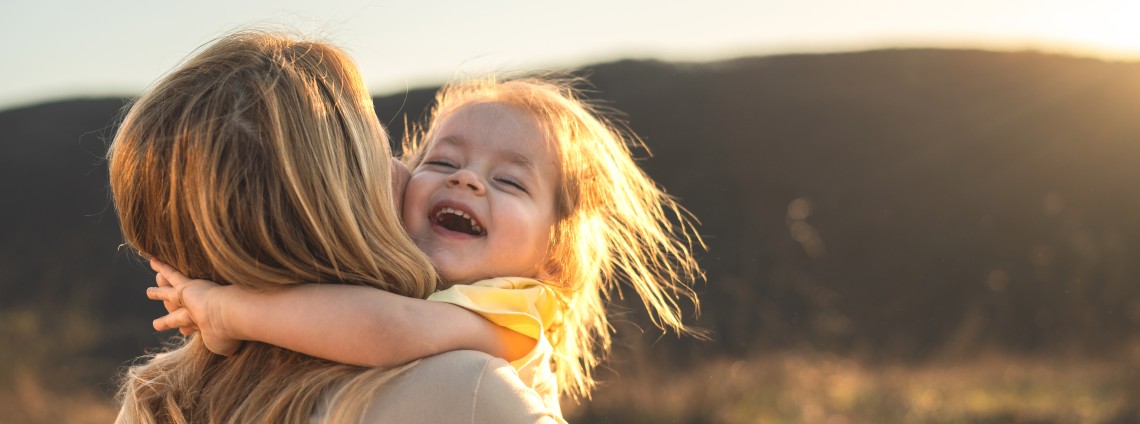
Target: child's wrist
{"type": "Point", "coordinates": [225, 301]}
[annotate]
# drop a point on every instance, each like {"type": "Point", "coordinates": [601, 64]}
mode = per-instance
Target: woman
{"type": "Point", "coordinates": [260, 162]}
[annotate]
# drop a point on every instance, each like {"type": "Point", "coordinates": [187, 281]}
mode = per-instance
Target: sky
{"type": "Point", "coordinates": [55, 50]}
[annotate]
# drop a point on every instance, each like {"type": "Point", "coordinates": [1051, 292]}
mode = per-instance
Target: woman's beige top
{"type": "Point", "coordinates": [462, 386]}
{"type": "Point", "coordinates": [455, 387]}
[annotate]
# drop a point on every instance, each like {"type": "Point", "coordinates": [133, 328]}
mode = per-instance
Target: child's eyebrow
{"type": "Point", "coordinates": [520, 159]}
{"type": "Point", "coordinates": [451, 139]}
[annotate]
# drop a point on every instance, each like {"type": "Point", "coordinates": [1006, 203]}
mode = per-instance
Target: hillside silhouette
{"type": "Point", "coordinates": [895, 204]}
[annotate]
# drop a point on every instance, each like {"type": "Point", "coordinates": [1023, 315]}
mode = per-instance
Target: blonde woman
{"type": "Point", "coordinates": [260, 162]}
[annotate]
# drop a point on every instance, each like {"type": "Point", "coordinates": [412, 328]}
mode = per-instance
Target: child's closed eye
{"type": "Point", "coordinates": [512, 183]}
{"type": "Point", "coordinates": [447, 163]}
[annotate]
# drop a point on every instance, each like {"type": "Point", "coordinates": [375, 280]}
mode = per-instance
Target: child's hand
{"type": "Point", "coordinates": [191, 306]}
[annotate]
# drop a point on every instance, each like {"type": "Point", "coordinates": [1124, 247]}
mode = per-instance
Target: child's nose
{"type": "Point", "coordinates": [466, 179]}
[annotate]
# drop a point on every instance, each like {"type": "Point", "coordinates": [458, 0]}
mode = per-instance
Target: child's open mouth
{"type": "Point", "coordinates": [458, 221]}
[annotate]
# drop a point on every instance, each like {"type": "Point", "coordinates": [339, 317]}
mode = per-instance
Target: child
{"type": "Point", "coordinates": [530, 205]}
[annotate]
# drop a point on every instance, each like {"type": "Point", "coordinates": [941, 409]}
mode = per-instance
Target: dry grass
{"type": "Point", "coordinates": [27, 399]}
{"type": "Point", "coordinates": [821, 388]}
{"type": "Point", "coordinates": [45, 365]}
{"type": "Point", "coordinates": [778, 388]}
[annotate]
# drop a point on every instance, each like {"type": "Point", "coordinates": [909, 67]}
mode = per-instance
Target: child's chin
{"type": "Point", "coordinates": [451, 278]}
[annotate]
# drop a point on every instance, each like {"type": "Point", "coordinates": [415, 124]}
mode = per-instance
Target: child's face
{"type": "Point", "coordinates": [481, 204]}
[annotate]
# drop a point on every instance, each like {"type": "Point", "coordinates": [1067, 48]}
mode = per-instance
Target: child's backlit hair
{"type": "Point", "coordinates": [615, 225]}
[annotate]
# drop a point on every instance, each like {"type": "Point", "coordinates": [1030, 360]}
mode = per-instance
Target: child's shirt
{"type": "Point", "coordinates": [523, 305]}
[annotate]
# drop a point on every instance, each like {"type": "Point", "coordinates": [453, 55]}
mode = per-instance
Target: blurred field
{"type": "Point", "coordinates": [785, 387]}
{"type": "Point", "coordinates": [51, 377]}
{"type": "Point", "coordinates": [48, 380]}
{"type": "Point", "coordinates": [26, 399]}
{"type": "Point", "coordinates": [47, 371]}
{"type": "Point", "coordinates": [791, 387]}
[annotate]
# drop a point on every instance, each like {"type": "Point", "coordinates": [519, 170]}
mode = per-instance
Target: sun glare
{"type": "Point", "coordinates": [1113, 35]}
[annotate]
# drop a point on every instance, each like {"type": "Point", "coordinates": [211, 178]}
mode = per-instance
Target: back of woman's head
{"type": "Point", "coordinates": [614, 225]}
{"type": "Point", "coordinates": [258, 162]}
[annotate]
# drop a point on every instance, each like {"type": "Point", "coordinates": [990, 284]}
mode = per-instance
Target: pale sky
{"type": "Point", "coordinates": [55, 49]}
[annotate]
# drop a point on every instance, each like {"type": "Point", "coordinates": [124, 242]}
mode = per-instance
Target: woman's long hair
{"type": "Point", "coordinates": [615, 226]}
{"type": "Point", "coordinates": [259, 162]}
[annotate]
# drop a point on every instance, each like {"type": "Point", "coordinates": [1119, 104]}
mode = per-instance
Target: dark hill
{"type": "Point", "coordinates": [892, 203]}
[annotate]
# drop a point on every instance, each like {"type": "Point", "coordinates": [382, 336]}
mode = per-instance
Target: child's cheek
{"type": "Point", "coordinates": [400, 176]}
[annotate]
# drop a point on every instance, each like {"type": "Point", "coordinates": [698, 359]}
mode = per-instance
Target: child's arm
{"type": "Point", "coordinates": [344, 323]}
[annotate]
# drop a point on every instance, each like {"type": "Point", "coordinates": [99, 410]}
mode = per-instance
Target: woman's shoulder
{"type": "Point", "coordinates": [458, 386]}
{"type": "Point", "coordinates": [458, 369]}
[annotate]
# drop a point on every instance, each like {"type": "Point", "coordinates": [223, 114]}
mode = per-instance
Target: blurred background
{"type": "Point", "coordinates": [915, 211]}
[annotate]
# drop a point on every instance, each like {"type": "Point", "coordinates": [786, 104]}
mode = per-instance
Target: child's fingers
{"type": "Point", "coordinates": [165, 294]}
{"type": "Point", "coordinates": [186, 331]}
{"type": "Point", "coordinates": [161, 280]}
{"type": "Point", "coordinates": [168, 272]}
{"type": "Point", "coordinates": [154, 264]}
{"type": "Point", "coordinates": [177, 319]}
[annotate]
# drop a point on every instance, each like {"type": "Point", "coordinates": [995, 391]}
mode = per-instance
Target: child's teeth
{"type": "Point", "coordinates": [474, 224]}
